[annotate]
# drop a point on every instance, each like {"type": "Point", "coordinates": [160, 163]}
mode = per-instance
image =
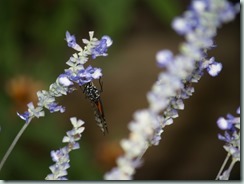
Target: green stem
{"type": "Point", "coordinates": [13, 144]}
{"type": "Point", "coordinates": [231, 165]}
{"type": "Point", "coordinates": [223, 165]}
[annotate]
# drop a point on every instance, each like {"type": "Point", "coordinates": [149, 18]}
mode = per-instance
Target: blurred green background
{"type": "Point", "coordinates": [33, 53]}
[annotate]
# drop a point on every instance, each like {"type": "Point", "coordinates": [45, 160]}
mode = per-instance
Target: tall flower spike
{"type": "Point", "coordinates": [76, 73]}
{"type": "Point", "coordinates": [232, 146]}
{"type": "Point", "coordinates": [199, 25]}
{"type": "Point", "coordinates": [61, 156]}
{"type": "Point", "coordinates": [62, 86]}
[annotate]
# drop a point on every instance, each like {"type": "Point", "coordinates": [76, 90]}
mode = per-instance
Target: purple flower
{"type": "Point", "coordinates": [238, 111]}
{"type": "Point", "coordinates": [61, 156]}
{"type": "Point", "coordinates": [186, 24]}
{"type": "Point", "coordinates": [64, 80]}
{"type": "Point", "coordinates": [164, 57]}
{"type": "Point", "coordinates": [228, 13]}
{"type": "Point", "coordinates": [198, 25]}
{"type": "Point", "coordinates": [102, 47]}
{"type": "Point", "coordinates": [227, 137]}
{"type": "Point", "coordinates": [25, 116]}
{"type": "Point", "coordinates": [71, 75]}
{"type": "Point", "coordinates": [200, 5]}
{"type": "Point", "coordinates": [231, 137]}
{"type": "Point", "coordinates": [71, 41]}
{"type": "Point", "coordinates": [88, 74]}
{"type": "Point", "coordinates": [214, 69]}
{"type": "Point", "coordinates": [224, 124]}
{"type": "Point", "coordinates": [231, 125]}
{"type": "Point", "coordinates": [32, 112]}
{"type": "Point", "coordinates": [54, 107]}
{"type": "Point", "coordinates": [180, 26]}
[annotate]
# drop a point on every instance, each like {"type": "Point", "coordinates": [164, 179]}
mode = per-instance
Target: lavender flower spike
{"type": "Point", "coordinates": [232, 146]}
{"type": "Point", "coordinates": [61, 156]}
{"type": "Point", "coordinates": [199, 26]}
{"type": "Point", "coordinates": [76, 73]}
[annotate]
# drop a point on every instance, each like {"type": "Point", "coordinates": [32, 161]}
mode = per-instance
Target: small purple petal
{"type": "Point", "coordinates": [102, 47]}
{"type": "Point", "coordinates": [180, 26]}
{"type": "Point", "coordinates": [54, 107]}
{"type": "Point", "coordinates": [55, 155]}
{"type": "Point", "coordinates": [164, 57]}
{"type": "Point", "coordinates": [214, 69]}
{"type": "Point", "coordinates": [223, 123]}
{"type": "Point", "coordinates": [199, 5]}
{"type": "Point", "coordinates": [64, 80]}
{"type": "Point", "coordinates": [238, 111]}
{"type": "Point", "coordinates": [109, 41]}
{"type": "Point", "coordinates": [88, 74]}
{"type": "Point", "coordinates": [97, 73]}
{"type": "Point", "coordinates": [70, 40]}
{"type": "Point", "coordinates": [24, 116]}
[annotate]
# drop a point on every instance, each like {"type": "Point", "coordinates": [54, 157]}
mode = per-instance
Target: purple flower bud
{"type": "Point", "coordinates": [25, 116]}
{"type": "Point", "coordinates": [72, 42]}
{"type": "Point", "coordinates": [54, 107]}
{"type": "Point", "coordinates": [64, 80]}
{"type": "Point", "coordinates": [70, 39]}
{"type": "Point", "coordinates": [102, 47]}
{"type": "Point", "coordinates": [223, 124]}
{"type": "Point", "coordinates": [214, 69]}
{"type": "Point", "coordinates": [164, 57]}
{"type": "Point", "coordinates": [238, 111]}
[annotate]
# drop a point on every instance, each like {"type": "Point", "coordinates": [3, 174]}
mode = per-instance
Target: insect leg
{"type": "Point", "coordinates": [101, 84]}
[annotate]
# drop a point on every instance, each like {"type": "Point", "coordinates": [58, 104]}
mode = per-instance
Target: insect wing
{"type": "Point", "coordinates": [99, 115]}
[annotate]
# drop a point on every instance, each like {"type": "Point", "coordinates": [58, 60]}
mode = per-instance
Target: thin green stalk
{"type": "Point", "coordinates": [13, 144]}
{"type": "Point", "coordinates": [231, 165]}
{"type": "Point", "coordinates": [223, 165]}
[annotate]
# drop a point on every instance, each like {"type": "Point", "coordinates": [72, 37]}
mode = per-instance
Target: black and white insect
{"type": "Point", "coordinates": [94, 95]}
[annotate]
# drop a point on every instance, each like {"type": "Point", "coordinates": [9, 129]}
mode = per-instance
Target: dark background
{"type": "Point", "coordinates": [33, 53]}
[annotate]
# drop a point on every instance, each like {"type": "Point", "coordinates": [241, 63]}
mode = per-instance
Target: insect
{"type": "Point", "coordinates": [93, 94]}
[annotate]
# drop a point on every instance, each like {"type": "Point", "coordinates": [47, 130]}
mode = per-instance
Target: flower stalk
{"type": "Point", "coordinates": [231, 137]}
{"type": "Point", "coordinates": [199, 26]}
{"type": "Point", "coordinates": [77, 73]}
{"type": "Point", "coordinates": [11, 147]}
{"type": "Point", "coordinates": [61, 156]}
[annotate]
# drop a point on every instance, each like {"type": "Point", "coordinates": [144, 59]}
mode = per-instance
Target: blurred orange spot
{"type": "Point", "coordinates": [107, 153]}
{"type": "Point", "coordinates": [22, 90]}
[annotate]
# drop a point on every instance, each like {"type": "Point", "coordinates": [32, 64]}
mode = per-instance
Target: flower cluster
{"type": "Point", "coordinates": [231, 137]}
{"type": "Point", "coordinates": [76, 73]}
{"type": "Point", "coordinates": [198, 25]}
{"type": "Point", "coordinates": [61, 156]}
{"type": "Point", "coordinates": [143, 127]}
